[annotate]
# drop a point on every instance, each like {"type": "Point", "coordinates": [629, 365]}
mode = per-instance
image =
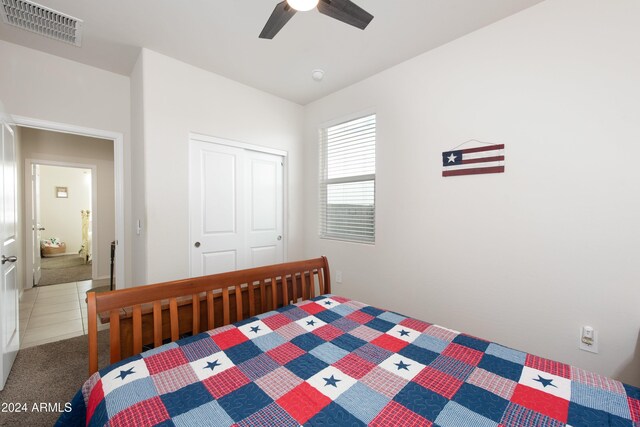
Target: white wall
{"type": "Point", "coordinates": [525, 257]}
{"type": "Point", "coordinates": [61, 147]}
{"type": "Point", "coordinates": [41, 86]}
{"type": "Point", "coordinates": [61, 216]}
{"type": "Point", "coordinates": [178, 99]}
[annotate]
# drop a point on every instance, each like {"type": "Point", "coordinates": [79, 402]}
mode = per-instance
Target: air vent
{"type": "Point", "coordinates": [42, 20]}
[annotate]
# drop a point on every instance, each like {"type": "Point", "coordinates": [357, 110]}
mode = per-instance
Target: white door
{"type": "Point", "coordinates": [36, 227]}
{"type": "Point", "coordinates": [9, 331]}
{"type": "Point", "coordinates": [236, 208]}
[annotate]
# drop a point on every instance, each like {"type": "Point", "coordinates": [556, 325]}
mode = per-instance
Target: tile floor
{"type": "Point", "coordinates": [54, 313]}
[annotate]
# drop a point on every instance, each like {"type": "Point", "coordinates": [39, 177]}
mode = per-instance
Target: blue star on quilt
{"type": "Point", "coordinates": [212, 365]}
{"type": "Point", "coordinates": [327, 303]}
{"type": "Point", "coordinates": [331, 381]}
{"type": "Point", "coordinates": [123, 374]}
{"type": "Point", "coordinates": [311, 322]}
{"type": "Point", "coordinates": [545, 381]}
{"type": "Point", "coordinates": [402, 365]}
{"type": "Point", "coordinates": [403, 333]}
{"type": "Point", "coordinates": [255, 329]}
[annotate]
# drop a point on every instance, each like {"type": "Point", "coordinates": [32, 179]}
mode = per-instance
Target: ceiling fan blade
{"type": "Point", "coordinates": [280, 16]}
{"type": "Point", "coordinates": [345, 11]}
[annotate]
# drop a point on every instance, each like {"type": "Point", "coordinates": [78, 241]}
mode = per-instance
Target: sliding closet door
{"type": "Point", "coordinates": [236, 208]}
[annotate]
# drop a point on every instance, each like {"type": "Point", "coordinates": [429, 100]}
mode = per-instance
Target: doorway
{"type": "Point", "coordinates": [63, 202]}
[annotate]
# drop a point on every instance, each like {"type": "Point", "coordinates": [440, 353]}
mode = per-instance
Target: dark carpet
{"type": "Point", "coordinates": [64, 269]}
{"type": "Point", "coordinates": [50, 374]}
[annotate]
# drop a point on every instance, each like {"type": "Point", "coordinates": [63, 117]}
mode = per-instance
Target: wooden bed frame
{"type": "Point", "coordinates": [152, 314]}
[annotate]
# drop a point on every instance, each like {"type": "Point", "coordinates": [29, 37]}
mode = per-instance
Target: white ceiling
{"type": "Point", "coordinates": [222, 36]}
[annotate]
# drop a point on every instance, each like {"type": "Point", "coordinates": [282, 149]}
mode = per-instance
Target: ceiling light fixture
{"type": "Point", "coordinates": [302, 5]}
{"type": "Point", "coordinates": [317, 74]}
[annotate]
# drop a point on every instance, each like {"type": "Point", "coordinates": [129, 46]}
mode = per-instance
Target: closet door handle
{"type": "Point", "coordinates": [9, 259]}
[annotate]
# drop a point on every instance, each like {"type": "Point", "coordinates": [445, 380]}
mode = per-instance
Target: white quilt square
{"type": "Point", "coordinates": [331, 382]}
{"type": "Point", "coordinates": [310, 323]}
{"type": "Point", "coordinates": [546, 382]}
{"type": "Point", "coordinates": [327, 303]}
{"type": "Point", "coordinates": [402, 366]}
{"type": "Point", "coordinates": [404, 333]}
{"type": "Point", "coordinates": [255, 329]}
{"type": "Point", "coordinates": [124, 375]}
{"type": "Point", "coordinates": [211, 365]}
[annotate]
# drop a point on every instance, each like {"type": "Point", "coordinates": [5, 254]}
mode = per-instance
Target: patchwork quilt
{"type": "Point", "coordinates": [332, 361]}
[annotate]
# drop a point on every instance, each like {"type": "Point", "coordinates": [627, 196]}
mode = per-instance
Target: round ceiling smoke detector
{"type": "Point", "coordinates": [317, 75]}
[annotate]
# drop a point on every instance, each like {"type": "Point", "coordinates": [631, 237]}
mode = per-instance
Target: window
{"type": "Point", "coordinates": [347, 180]}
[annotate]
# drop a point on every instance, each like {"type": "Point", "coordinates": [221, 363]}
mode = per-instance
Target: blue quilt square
{"type": "Point", "coordinates": [483, 402]}
{"type": "Point", "coordinates": [307, 341]}
{"type": "Point", "coordinates": [456, 415]}
{"type": "Point", "coordinates": [392, 317]}
{"type": "Point", "coordinates": [329, 353]}
{"type": "Point", "coordinates": [129, 394]}
{"type": "Point", "coordinates": [154, 351]}
{"type": "Point", "coordinates": [306, 366]}
{"type": "Point", "coordinates": [269, 341]}
{"type": "Point", "coordinates": [242, 352]}
{"type": "Point", "coordinates": [581, 416]}
{"type": "Point", "coordinates": [348, 342]}
{"type": "Point", "coordinates": [418, 354]}
{"type": "Point", "coordinates": [100, 415]}
{"type": "Point", "coordinates": [258, 366]}
{"type": "Point", "coordinates": [345, 324]}
{"type": "Point", "coordinates": [363, 402]}
{"type": "Point", "coordinates": [327, 316]}
{"type": "Point", "coordinates": [471, 342]}
{"type": "Point", "coordinates": [192, 338]}
{"type": "Point", "coordinates": [209, 414]}
{"type": "Point", "coordinates": [201, 348]}
{"type": "Point", "coordinates": [598, 398]}
{"type": "Point", "coordinates": [633, 392]}
{"type": "Point", "coordinates": [453, 367]}
{"type": "Point", "coordinates": [296, 313]}
{"type": "Point", "coordinates": [372, 311]}
{"type": "Point", "coordinates": [165, 423]}
{"type": "Point", "coordinates": [501, 367]}
{"type": "Point", "coordinates": [286, 308]}
{"type": "Point", "coordinates": [373, 353]}
{"type": "Point", "coordinates": [334, 415]}
{"type": "Point", "coordinates": [270, 415]}
{"type": "Point", "coordinates": [421, 401]}
{"type": "Point", "coordinates": [244, 401]}
{"type": "Point", "coordinates": [431, 343]}
{"type": "Point", "coordinates": [245, 321]}
{"type": "Point", "coordinates": [343, 310]}
{"type": "Point", "coordinates": [380, 325]}
{"type": "Point", "coordinates": [186, 399]}
{"type": "Point", "coordinates": [506, 353]}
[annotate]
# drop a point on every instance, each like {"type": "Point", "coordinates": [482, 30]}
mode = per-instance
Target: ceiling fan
{"type": "Point", "coordinates": [342, 10]}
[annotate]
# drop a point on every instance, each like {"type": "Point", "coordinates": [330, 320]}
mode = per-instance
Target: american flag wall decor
{"type": "Point", "coordinates": [473, 161]}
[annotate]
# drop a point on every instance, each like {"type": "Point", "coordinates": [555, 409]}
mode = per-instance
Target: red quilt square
{"type": "Point", "coordinates": [390, 343]}
{"type": "Point", "coordinates": [550, 366]}
{"type": "Point", "coordinates": [146, 413]}
{"type": "Point", "coordinates": [276, 321]}
{"type": "Point", "coordinates": [225, 382]}
{"type": "Point", "coordinates": [360, 317]}
{"type": "Point", "coordinates": [285, 353]}
{"type": "Point", "coordinates": [443, 384]}
{"type": "Point", "coordinates": [328, 332]}
{"type": "Point", "coordinates": [463, 354]}
{"type": "Point", "coordinates": [634, 406]}
{"type": "Point", "coordinates": [545, 403]}
{"type": "Point", "coordinates": [354, 366]}
{"type": "Point", "coordinates": [229, 338]}
{"type": "Point", "coordinates": [166, 360]}
{"type": "Point", "coordinates": [394, 414]}
{"type": "Point", "coordinates": [312, 308]}
{"type": "Point", "coordinates": [341, 300]}
{"type": "Point", "coordinates": [303, 402]}
{"type": "Point", "coordinates": [97, 394]}
{"type": "Point", "coordinates": [417, 325]}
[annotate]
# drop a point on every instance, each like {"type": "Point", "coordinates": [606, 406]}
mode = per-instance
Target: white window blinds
{"type": "Point", "coordinates": [347, 180]}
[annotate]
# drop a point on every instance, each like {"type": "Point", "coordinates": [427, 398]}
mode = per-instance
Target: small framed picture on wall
{"type": "Point", "coordinates": [61, 192]}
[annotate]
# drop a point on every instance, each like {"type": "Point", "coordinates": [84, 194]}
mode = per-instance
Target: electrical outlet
{"type": "Point", "coordinates": [338, 276]}
{"type": "Point", "coordinates": [588, 339]}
